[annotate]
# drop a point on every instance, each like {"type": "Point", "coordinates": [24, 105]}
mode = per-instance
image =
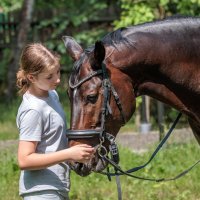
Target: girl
{"type": "Point", "coordinates": [42, 151]}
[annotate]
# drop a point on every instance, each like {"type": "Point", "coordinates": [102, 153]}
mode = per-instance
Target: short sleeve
{"type": "Point", "coordinates": [30, 126]}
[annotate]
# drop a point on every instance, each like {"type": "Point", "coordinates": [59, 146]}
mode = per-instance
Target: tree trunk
{"type": "Point", "coordinates": [143, 111]}
{"type": "Point", "coordinates": [160, 108]}
{"type": "Point", "coordinates": [145, 126]}
{"type": "Point", "coordinates": [24, 26]}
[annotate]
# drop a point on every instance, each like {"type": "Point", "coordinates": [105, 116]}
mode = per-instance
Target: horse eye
{"type": "Point", "coordinates": [92, 98]}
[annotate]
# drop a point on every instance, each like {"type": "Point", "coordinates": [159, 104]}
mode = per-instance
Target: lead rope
{"type": "Point", "coordinates": [119, 188]}
{"type": "Point", "coordinates": [117, 180]}
{"type": "Point", "coordinates": [115, 158]}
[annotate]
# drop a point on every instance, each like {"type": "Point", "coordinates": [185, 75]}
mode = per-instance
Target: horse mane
{"type": "Point", "coordinates": [125, 36]}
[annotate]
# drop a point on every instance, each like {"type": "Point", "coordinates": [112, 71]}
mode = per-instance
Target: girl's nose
{"type": "Point", "coordinates": [58, 80]}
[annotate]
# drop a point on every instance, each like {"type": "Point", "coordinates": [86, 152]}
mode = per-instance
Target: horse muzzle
{"type": "Point", "coordinates": [96, 164]}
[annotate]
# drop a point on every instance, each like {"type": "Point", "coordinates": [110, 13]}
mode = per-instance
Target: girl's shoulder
{"type": "Point", "coordinates": [31, 102]}
{"type": "Point", "coordinates": [41, 105]}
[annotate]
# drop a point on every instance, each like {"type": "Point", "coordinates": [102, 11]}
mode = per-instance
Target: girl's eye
{"type": "Point", "coordinates": [92, 98]}
{"type": "Point", "coordinates": [49, 77]}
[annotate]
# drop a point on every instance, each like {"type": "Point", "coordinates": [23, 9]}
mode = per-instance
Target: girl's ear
{"type": "Point", "coordinates": [31, 78]}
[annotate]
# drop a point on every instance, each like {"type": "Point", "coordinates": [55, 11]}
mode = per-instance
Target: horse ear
{"type": "Point", "coordinates": [99, 55]}
{"type": "Point", "coordinates": [73, 48]}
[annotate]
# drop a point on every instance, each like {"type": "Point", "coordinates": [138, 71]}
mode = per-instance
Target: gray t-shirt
{"type": "Point", "coordinates": [43, 120]}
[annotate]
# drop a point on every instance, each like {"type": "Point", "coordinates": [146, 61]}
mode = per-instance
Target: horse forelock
{"type": "Point", "coordinates": [79, 63]}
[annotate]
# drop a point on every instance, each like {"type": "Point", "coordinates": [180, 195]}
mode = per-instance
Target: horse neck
{"type": "Point", "coordinates": [166, 82]}
{"type": "Point", "coordinates": [122, 61]}
{"type": "Point", "coordinates": [162, 65]}
{"type": "Point", "coordinates": [151, 64]}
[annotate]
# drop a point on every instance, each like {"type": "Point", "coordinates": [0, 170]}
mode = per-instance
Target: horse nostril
{"type": "Point", "coordinates": [94, 162]}
{"type": "Point", "coordinates": [79, 166]}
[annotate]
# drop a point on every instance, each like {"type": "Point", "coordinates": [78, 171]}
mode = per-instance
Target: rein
{"type": "Point", "coordinates": [103, 135]}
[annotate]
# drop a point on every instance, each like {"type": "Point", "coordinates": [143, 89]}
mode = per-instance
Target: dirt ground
{"type": "Point", "coordinates": [136, 142]}
{"type": "Point", "coordinates": [8, 144]}
{"type": "Point", "coordinates": [142, 142]}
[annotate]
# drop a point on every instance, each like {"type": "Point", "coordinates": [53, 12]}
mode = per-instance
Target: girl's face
{"type": "Point", "coordinates": [46, 80]}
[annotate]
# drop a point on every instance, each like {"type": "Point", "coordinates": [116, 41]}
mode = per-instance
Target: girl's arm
{"type": "Point", "coordinates": [29, 159]}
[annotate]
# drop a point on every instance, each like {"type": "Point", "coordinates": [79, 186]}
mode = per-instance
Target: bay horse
{"type": "Point", "coordinates": [160, 59]}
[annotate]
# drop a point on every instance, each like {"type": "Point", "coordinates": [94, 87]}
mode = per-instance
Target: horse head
{"type": "Point", "coordinates": [101, 98]}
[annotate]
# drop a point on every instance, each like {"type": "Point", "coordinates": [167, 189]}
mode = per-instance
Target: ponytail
{"type": "Point", "coordinates": [22, 82]}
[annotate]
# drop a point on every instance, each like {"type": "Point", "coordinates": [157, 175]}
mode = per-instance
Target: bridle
{"type": "Point", "coordinates": [103, 136]}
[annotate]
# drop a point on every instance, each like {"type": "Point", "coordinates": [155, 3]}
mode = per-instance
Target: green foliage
{"type": "Point", "coordinates": [94, 35]}
{"type": "Point", "coordinates": [135, 12]}
{"type": "Point", "coordinates": [65, 17]}
{"type": "Point", "coordinates": [72, 14]}
{"type": "Point", "coordinates": [186, 7]}
{"type": "Point", "coordinates": [9, 111]}
{"type": "Point", "coordinates": [4, 64]}
{"type": "Point", "coordinates": [10, 5]}
{"type": "Point", "coordinates": [8, 128]}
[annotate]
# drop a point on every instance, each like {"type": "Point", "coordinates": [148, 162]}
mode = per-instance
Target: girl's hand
{"type": "Point", "coordinates": [81, 153]}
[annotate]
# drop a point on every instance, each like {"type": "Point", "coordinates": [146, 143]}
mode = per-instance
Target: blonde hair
{"type": "Point", "coordinates": [35, 58]}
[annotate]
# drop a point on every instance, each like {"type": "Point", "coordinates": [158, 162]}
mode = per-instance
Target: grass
{"type": "Point", "coordinates": [9, 174]}
{"type": "Point", "coordinates": [8, 112]}
{"type": "Point", "coordinates": [170, 161]}
{"type": "Point", "coordinates": [8, 131]}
